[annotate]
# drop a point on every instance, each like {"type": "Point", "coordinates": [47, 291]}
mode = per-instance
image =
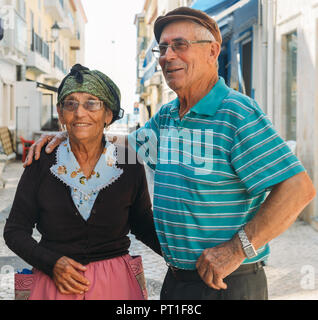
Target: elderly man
{"type": "Point", "coordinates": [216, 157]}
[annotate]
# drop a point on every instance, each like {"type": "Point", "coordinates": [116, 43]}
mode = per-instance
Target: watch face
{"type": "Point", "coordinates": [250, 252]}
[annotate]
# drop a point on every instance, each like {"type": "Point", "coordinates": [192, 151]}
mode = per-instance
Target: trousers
{"type": "Point", "coordinates": [248, 282]}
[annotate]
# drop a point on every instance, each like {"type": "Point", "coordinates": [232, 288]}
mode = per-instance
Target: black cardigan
{"type": "Point", "coordinates": [43, 201]}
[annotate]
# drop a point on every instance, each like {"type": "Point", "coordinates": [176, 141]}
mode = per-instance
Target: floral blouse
{"type": "Point", "coordinates": [85, 191]}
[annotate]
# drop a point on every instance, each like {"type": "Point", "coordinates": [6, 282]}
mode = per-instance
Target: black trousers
{"type": "Point", "coordinates": [248, 282]}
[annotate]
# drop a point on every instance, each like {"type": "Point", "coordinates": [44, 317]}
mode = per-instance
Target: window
{"type": "Point", "coordinates": [32, 31]}
{"type": "Point", "coordinates": [19, 73]}
{"type": "Point", "coordinates": [39, 28]}
{"type": "Point", "coordinates": [12, 106]}
{"type": "Point", "coordinates": [32, 19]}
{"type": "Point", "coordinates": [291, 86]}
{"type": "Point", "coordinates": [1, 29]}
{"type": "Point", "coordinates": [21, 8]}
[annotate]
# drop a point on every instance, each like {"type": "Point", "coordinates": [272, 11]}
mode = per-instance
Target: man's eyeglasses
{"type": "Point", "coordinates": [89, 105]}
{"type": "Point", "coordinates": [178, 46]}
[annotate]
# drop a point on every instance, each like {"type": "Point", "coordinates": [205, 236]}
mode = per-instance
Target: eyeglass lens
{"type": "Point", "coordinates": [176, 46]}
{"type": "Point", "coordinates": [91, 105]}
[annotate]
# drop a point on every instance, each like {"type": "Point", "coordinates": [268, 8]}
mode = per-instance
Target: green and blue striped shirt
{"type": "Point", "coordinates": [213, 169]}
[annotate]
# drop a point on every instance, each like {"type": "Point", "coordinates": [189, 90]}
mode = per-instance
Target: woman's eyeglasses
{"type": "Point", "coordinates": [178, 46]}
{"type": "Point", "coordinates": [89, 105]}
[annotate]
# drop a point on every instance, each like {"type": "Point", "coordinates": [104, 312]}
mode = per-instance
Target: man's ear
{"type": "Point", "coordinates": [215, 50]}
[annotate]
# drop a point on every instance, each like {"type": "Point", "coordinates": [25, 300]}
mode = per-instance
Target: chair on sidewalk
{"type": "Point", "coordinates": [6, 151]}
{"type": "Point", "coordinates": [26, 144]}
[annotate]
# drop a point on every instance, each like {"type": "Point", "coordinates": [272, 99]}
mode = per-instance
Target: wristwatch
{"type": "Point", "coordinates": [248, 248]}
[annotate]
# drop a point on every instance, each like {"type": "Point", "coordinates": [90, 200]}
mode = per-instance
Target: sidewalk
{"type": "Point", "coordinates": [292, 268]}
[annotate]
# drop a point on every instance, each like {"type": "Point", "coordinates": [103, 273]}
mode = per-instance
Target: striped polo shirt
{"type": "Point", "coordinates": [213, 170]}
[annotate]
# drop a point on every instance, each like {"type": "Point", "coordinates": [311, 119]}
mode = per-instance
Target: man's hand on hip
{"type": "Point", "coordinates": [35, 149]}
{"type": "Point", "coordinates": [216, 263]}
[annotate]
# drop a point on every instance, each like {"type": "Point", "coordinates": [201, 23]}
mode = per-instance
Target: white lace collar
{"type": "Point", "coordinates": [69, 172]}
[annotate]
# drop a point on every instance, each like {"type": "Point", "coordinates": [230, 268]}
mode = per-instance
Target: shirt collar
{"type": "Point", "coordinates": [209, 104]}
{"type": "Point", "coordinates": [69, 172]}
{"type": "Point", "coordinates": [174, 108]}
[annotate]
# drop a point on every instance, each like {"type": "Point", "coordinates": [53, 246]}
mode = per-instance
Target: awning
{"type": "Point", "coordinates": [213, 7]}
{"type": "Point", "coordinates": [149, 55]}
{"type": "Point", "coordinates": [226, 28]}
{"type": "Point", "coordinates": [149, 72]}
{"type": "Point", "coordinates": [44, 86]}
{"type": "Point", "coordinates": [150, 63]}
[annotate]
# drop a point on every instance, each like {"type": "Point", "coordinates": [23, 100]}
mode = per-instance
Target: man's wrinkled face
{"type": "Point", "coordinates": [183, 70]}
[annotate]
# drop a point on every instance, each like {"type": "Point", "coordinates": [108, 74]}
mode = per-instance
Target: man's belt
{"type": "Point", "coordinates": [192, 275]}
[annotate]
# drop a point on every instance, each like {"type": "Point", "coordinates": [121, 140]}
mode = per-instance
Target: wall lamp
{"type": "Point", "coordinates": [55, 29]}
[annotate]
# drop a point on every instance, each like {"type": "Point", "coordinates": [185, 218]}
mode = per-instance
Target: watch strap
{"type": "Point", "coordinates": [247, 246]}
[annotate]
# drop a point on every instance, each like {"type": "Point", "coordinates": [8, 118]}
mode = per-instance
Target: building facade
{"type": "Point", "coordinates": [293, 81]}
{"type": "Point", "coordinates": [243, 52]}
{"type": "Point", "coordinates": [42, 40]}
{"type": "Point", "coordinates": [13, 52]}
{"type": "Point", "coordinates": [151, 85]}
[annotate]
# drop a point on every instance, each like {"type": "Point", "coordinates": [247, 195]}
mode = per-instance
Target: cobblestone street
{"type": "Point", "coordinates": [292, 268]}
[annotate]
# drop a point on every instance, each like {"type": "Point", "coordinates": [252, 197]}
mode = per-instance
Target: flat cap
{"type": "Point", "coordinates": [184, 13]}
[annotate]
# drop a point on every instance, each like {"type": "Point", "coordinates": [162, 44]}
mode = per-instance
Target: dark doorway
{"type": "Point", "coordinates": [49, 121]}
{"type": "Point", "coordinates": [247, 67]}
{"type": "Point", "coordinates": [149, 111]}
{"type": "Point", "coordinates": [224, 63]}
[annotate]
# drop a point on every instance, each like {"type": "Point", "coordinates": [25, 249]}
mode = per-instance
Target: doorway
{"type": "Point", "coordinates": [291, 86]}
{"type": "Point", "coordinates": [49, 119]}
{"type": "Point", "coordinates": [224, 63]}
{"type": "Point", "coordinates": [246, 56]}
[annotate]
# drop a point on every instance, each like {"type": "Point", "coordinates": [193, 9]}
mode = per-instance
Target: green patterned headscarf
{"type": "Point", "coordinates": [81, 79]}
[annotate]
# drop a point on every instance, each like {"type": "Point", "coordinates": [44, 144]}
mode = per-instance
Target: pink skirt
{"type": "Point", "coordinates": [110, 279]}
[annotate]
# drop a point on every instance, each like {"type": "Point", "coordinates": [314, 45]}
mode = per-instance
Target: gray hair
{"type": "Point", "coordinates": [202, 33]}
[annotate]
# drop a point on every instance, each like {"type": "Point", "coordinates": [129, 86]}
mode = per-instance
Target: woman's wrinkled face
{"type": "Point", "coordinates": [82, 124]}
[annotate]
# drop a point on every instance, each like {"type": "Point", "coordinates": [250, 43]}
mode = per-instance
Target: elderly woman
{"type": "Point", "coordinates": [83, 202]}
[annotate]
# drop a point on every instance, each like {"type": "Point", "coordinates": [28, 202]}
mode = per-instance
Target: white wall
{"type": "Point", "coordinates": [7, 81]}
{"type": "Point", "coordinates": [28, 102]}
{"type": "Point", "coordinates": [315, 142]}
{"type": "Point", "coordinates": [301, 16]}
{"type": "Point", "coordinates": [80, 54]}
